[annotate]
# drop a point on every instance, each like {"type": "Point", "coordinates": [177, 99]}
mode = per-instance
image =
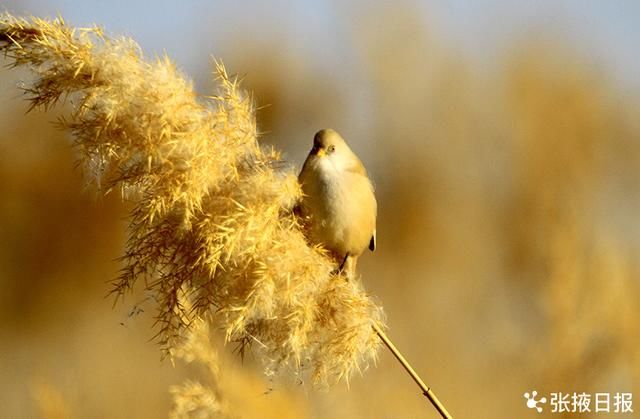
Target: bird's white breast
{"type": "Point", "coordinates": [341, 204]}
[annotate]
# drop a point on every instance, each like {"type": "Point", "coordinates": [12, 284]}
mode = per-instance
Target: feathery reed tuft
{"type": "Point", "coordinates": [212, 220]}
{"type": "Point", "coordinates": [191, 398]}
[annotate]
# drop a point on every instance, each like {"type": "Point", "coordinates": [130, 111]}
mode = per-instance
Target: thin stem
{"type": "Point", "coordinates": [425, 390]}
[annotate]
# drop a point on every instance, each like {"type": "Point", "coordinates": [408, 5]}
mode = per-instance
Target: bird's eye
{"type": "Point", "coordinates": [332, 148]}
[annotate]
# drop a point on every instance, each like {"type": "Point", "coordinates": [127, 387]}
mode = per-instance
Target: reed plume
{"type": "Point", "coordinates": [211, 218]}
{"type": "Point", "coordinates": [191, 398]}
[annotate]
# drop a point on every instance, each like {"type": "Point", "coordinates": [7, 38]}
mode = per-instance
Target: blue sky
{"type": "Point", "coordinates": [607, 31]}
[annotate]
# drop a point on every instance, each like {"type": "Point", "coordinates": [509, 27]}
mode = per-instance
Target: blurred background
{"type": "Point", "coordinates": [504, 142]}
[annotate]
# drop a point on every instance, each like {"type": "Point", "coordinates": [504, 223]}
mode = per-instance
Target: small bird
{"type": "Point", "coordinates": [338, 204]}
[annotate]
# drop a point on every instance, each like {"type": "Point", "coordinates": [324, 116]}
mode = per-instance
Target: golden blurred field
{"type": "Point", "coordinates": [508, 236]}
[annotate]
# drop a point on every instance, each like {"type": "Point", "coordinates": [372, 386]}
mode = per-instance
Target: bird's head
{"type": "Point", "coordinates": [329, 145]}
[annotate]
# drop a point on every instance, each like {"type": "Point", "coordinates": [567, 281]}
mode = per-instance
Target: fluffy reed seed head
{"type": "Point", "coordinates": [212, 220]}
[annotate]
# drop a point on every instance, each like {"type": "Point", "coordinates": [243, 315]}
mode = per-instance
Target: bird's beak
{"type": "Point", "coordinates": [318, 151]}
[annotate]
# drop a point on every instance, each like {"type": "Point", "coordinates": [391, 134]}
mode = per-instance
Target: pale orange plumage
{"type": "Point", "coordinates": [339, 202]}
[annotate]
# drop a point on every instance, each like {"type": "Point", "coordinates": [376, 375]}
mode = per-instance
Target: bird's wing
{"type": "Point", "coordinates": [303, 171]}
{"type": "Point", "coordinates": [357, 167]}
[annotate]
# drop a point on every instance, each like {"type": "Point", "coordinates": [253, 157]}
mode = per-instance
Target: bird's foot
{"type": "Point", "coordinates": [341, 272]}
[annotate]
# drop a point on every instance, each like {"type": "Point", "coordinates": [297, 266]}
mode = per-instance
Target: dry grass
{"type": "Point", "coordinates": [191, 398]}
{"type": "Point", "coordinates": [510, 259]}
{"type": "Point", "coordinates": [211, 222]}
